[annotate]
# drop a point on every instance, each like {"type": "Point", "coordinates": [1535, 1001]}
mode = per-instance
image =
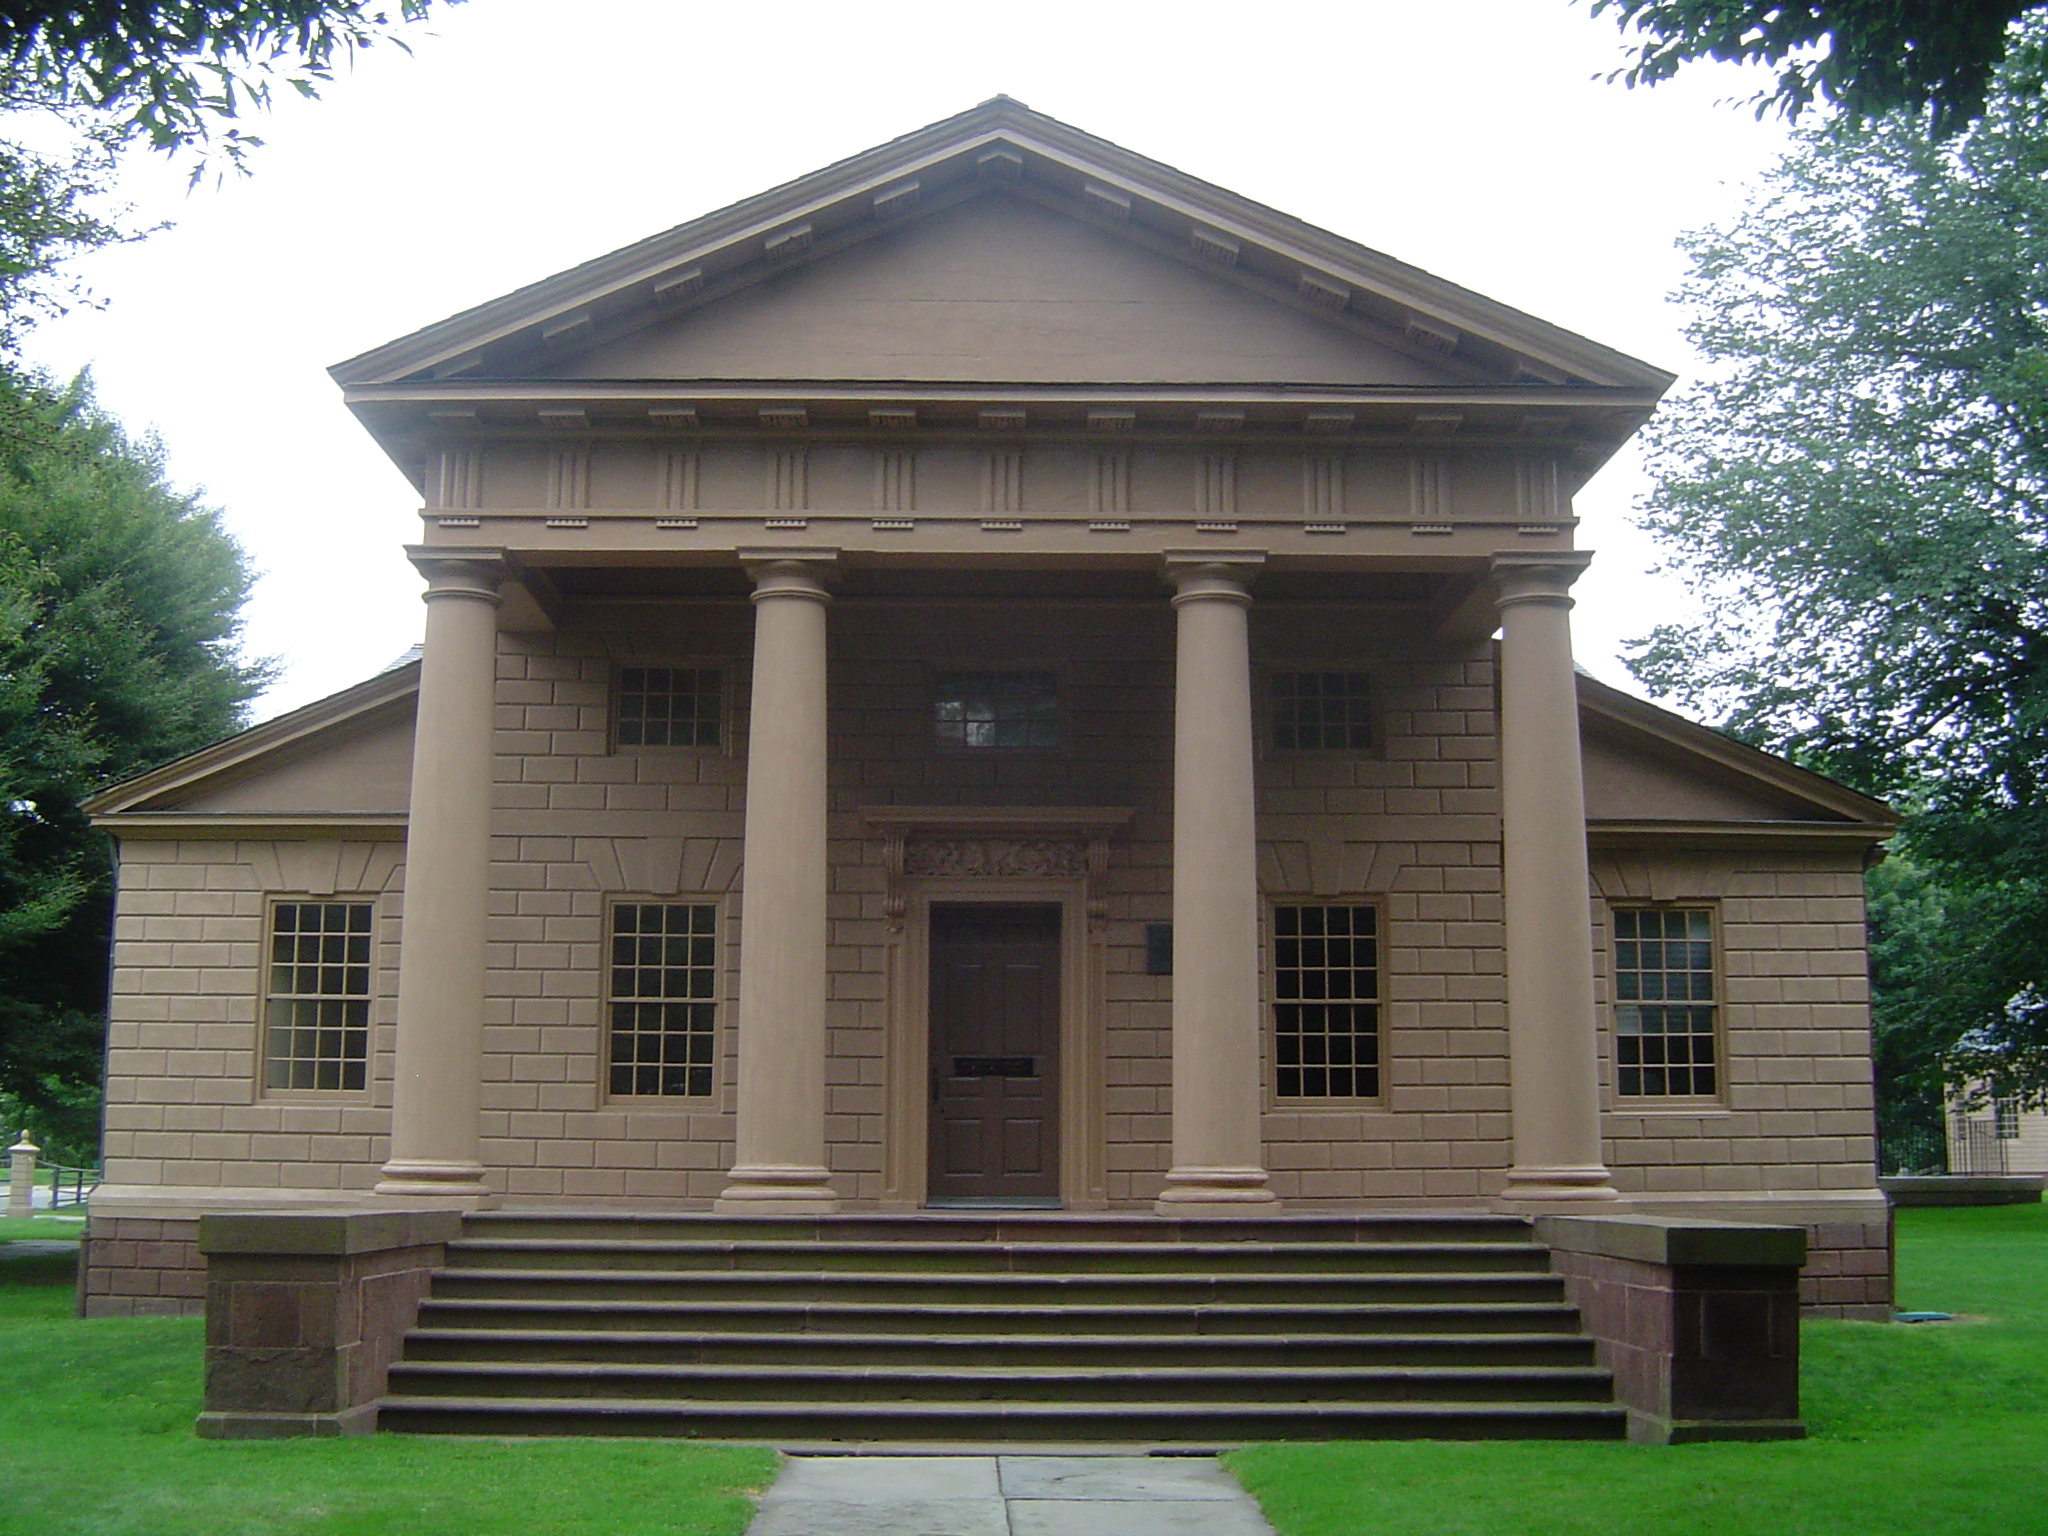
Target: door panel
{"type": "Point", "coordinates": [995, 1010]}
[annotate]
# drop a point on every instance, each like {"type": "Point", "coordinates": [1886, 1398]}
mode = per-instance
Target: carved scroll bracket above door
{"type": "Point", "coordinates": [994, 842]}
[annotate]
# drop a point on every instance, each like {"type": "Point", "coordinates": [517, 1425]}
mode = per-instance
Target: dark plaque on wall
{"type": "Point", "coordinates": [1159, 949]}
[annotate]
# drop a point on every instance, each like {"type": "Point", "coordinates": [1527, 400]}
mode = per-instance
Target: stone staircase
{"type": "Point", "coordinates": [999, 1328]}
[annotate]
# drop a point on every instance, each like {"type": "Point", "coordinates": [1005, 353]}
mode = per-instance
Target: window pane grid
{"type": "Point", "coordinates": [663, 1012]}
{"type": "Point", "coordinates": [669, 706]}
{"type": "Point", "coordinates": [1326, 1016]}
{"type": "Point", "coordinates": [1664, 1002]}
{"type": "Point", "coordinates": [997, 709]}
{"type": "Point", "coordinates": [1321, 712]}
{"type": "Point", "coordinates": [316, 1012]}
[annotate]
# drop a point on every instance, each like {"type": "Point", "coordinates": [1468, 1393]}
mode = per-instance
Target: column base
{"type": "Point", "coordinates": [1568, 1184]}
{"type": "Point", "coordinates": [414, 1179]}
{"type": "Point", "coordinates": [764, 1189]}
{"type": "Point", "coordinates": [1200, 1191]}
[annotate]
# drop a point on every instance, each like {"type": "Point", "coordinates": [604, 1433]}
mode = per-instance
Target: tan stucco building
{"type": "Point", "coordinates": [972, 677]}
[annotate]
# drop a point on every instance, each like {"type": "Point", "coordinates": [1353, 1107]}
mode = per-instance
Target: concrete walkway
{"type": "Point", "coordinates": [1007, 1496]}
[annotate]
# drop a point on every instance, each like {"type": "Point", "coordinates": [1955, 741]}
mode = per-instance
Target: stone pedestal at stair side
{"type": "Point", "coordinates": [1699, 1321]}
{"type": "Point", "coordinates": [305, 1314]}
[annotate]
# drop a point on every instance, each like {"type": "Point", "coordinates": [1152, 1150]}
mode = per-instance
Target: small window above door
{"type": "Point", "coordinates": [996, 711]}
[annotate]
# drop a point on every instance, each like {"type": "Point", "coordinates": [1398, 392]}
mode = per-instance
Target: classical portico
{"type": "Point", "coordinates": [994, 675]}
{"type": "Point", "coordinates": [782, 1003]}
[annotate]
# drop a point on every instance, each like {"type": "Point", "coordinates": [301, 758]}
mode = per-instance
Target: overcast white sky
{"type": "Point", "coordinates": [1470, 137]}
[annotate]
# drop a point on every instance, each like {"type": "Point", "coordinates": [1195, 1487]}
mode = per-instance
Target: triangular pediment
{"type": "Point", "coordinates": [344, 758]}
{"type": "Point", "coordinates": [1109, 223]}
{"type": "Point", "coordinates": [1647, 767]}
{"type": "Point", "coordinates": [999, 287]}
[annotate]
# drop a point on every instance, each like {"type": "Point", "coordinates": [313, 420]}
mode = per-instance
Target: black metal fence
{"type": "Point", "coordinates": [1912, 1150]}
{"type": "Point", "coordinates": [67, 1186]}
{"type": "Point", "coordinates": [1974, 1146]}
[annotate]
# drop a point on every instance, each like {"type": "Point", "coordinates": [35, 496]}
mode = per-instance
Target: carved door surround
{"type": "Point", "coordinates": [1007, 854]}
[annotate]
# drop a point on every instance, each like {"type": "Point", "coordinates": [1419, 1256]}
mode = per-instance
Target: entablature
{"type": "Point", "coordinates": [423, 422]}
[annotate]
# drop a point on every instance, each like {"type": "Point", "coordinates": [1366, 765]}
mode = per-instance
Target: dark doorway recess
{"type": "Point", "coordinates": [995, 1028]}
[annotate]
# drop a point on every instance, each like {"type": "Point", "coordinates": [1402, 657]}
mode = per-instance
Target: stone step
{"type": "Point", "coordinates": [875, 1317]}
{"type": "Point", "coordinates": [1181, 1425]}
{"type": "Point", "coordinates": [991, 1289]}
{"type": "Point", "coordinates": [722, 1256]}
{"type": "Point", "coordinates": [1015, 1328]}
{"type": "Point", "coordinates": [947, 1351]}
{"type": "Point", "coordinates": [1008, 1226]}
{"type": "Point", "coordinates": [980, 1385]}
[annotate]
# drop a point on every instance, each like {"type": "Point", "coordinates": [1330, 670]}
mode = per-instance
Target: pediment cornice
{"type": "Point", "coordinates": [1003, 147]}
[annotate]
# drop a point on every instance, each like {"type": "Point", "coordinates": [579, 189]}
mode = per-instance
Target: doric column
{"type": "Point", "coordinates": [1218, 1151]}
{"type": "Point", "coordinates": [779, 1156]}
{"type": "Point", "coordinates": [447, 879]}
{"type": "Point", "coordinates": [1553, 1054]}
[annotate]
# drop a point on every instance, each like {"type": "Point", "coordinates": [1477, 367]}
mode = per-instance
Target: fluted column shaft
{"type": "Point", "coordinates": [1218, 1149]}
{"type": "Point", "coordinates": [1553, 1053]}
{"type": "Point", "coordinates": [779, 1155]}
{"type": "Point", "coordinates": [439, 1061]}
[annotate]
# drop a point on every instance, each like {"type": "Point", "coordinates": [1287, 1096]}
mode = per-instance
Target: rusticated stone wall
{"type": "Point", "coordinates": [132, 1266]}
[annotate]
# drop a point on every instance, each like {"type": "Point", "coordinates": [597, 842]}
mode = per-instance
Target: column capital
{"type": "Point", "coordinates": [460, 570]}
{"type": "Point", "coordinates": [1533, 577]}
{"type": "Point", "coordinates": [790, 572]}
{"type": "Point", "coordinates": [1223, 575]}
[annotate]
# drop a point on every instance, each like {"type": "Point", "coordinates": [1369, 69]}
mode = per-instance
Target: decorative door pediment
{"type": "Point", "coordinates": [994, 842]}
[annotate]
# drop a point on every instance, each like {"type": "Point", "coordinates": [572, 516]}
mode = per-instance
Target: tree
{"type": "Point", "coordinates": [97, 78]}
{"type": "Point", "coordinates": [177, 74]}
{"type": "Point", "coordinates": [119, 596]}
{"type": "Point", "coordinates": [1860, 489]}
{"type": "Point", "coordinates": [119, 625]}
{"type": "Point", "coordinates": [1937, 56]}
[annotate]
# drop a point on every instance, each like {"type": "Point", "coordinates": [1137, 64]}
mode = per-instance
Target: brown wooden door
{"type": "Point", "coordinates": [995, 1017]}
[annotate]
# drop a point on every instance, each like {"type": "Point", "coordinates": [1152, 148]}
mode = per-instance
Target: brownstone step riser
{"type": "Point", "coordinates": [1220, 1424]}
{"type": "Point", "coordinates": [1490, 1350]}
{"type": "Point", "coordinates": [994, 1291]}
{"type": "Point", "coordinates": [1132, 1388]}
{"type": "Point", "coordinates": [1010, 1227]}
{"type": "Point", "coordinates": [1162, 1322]}
{"type": "Point", "coordinates": [994, 1258]}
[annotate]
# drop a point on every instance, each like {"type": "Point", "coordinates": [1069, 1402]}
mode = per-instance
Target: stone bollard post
{"type": "Point", "coordinates": [21, 1176]}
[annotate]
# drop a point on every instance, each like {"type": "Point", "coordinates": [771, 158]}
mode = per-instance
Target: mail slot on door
{"type": "Point", "coordinates": [995, 1066]}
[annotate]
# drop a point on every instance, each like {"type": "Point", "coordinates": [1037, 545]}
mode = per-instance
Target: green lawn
{"type": "Point", "coordinates": [98, 1442]}
{"type": "Point", "coordinates": [1936, 1430]}
{"type": "Point", "coordinates": [1930, 1430]}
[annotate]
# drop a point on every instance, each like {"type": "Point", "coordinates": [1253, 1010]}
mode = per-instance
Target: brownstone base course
{"type": "Point", "coordinates": [1698, 1321]}
{"type": "Point", "coordinates": [1848, 1271]}
{"type": "Point", "coordinates": [304, 1314]}
{"type": "Point", "coordinates": [133, 1266]}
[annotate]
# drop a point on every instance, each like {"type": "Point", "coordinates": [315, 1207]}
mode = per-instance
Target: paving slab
{"type": "Point", "coordinates": [1118, 1477]}
{"type": "Point", "coordinates": [999, 1495]}
{"type": "Point", "coordinates": [1139, 1517]}
{"type": "Point", "coordinates": [882, 1517]}
{"type": "Point", "coordinates": [891, 1479]}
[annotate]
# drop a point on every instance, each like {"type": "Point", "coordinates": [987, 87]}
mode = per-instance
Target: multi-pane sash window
{"type": "Point", "coordinates": [1326, 1009]}
{"type": "Point", "coordinates": [997, 709]}
{"type": "Point", "coordinates": [1664, 1002]}
{"type": "Point", "coordinates": [664, 1013]}
{"type": "Point", "coordinates": [1321, 712]}
{"type": "Point", "coordinates": [2005, 1119]}
{"type": "Point", "coordinates": [669, 706]}
{"type": "Point", "coordinates": [316, 1011]}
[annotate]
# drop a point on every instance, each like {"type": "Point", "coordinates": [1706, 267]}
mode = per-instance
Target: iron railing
{"type": "Point", "coordinates": [1974, 1146]}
